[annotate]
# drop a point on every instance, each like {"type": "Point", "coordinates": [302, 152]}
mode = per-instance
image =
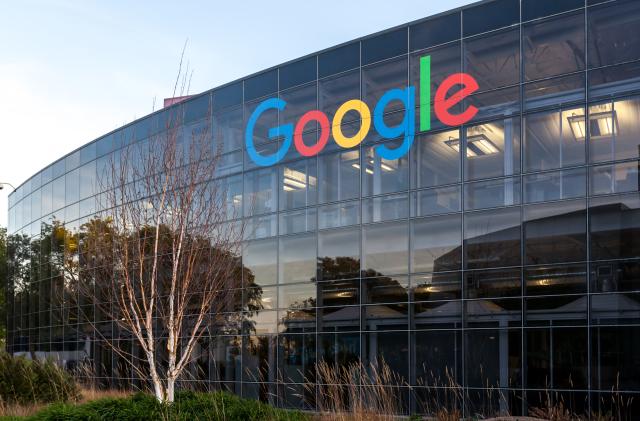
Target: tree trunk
{"type": "Point", "coordinates": [170, 397]}
{"type": "Point", "coordinates": [158, 389]}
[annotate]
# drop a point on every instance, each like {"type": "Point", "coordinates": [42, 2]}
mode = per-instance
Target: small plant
{"type": "Point", "coordinates": [25, 381]}
{"type": "Point", "coordinates": [188, 406]}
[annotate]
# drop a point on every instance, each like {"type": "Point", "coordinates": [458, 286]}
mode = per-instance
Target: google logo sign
{"type": "Point", "coordinates": [444, 100]}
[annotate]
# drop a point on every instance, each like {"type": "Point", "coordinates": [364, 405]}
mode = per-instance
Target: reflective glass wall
{"type": "Point", "coordinates": [501, 257]}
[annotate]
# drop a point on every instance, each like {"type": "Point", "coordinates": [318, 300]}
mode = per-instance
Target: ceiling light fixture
{"type": "Point", "coordinates": [601, 125]}
{"type": "Point", "coordinates": [477, 145]}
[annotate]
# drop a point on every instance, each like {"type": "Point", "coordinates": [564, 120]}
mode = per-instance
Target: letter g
{"type": "Point", "coordinates": [285, 130]}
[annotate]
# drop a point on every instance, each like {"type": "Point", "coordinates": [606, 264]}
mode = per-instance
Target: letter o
{"type": "Point", "coordinates": [365, 116]}
{"type": "Point", "coordinates": [309, 116]}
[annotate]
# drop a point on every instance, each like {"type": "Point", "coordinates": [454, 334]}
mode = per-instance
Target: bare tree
{"type": "Point", "coordinates": [163, 253]}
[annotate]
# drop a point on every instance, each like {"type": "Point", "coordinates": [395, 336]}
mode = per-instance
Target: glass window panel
{"type": "Point", "coordinates": [339, 215]}
{"type": "Point", "coordinates": [261, 226]}
{"type": "Point", "coordinates": [298, 221]}
{"type": "Point", "coordinates": [229, 163]}
{"type": "Point", "coordinates": [615, 276]}
{"type": "Point", "coordinates": [299, 101]}
{"type": "Point", "coordinates": [615, 80]}
{"type": "Point", "coordinates": [268, 120]}
{"type": "Point", "coordinates": [261, 298]}
{"type": "Point", "coordinates": [260, 189]}
{"type": "Point", "coordinates": [36, 204]}
{"type": "Point", "coordinates": [228, 129]}
{"type": "Point", "coordinates": [615, 227]}
{"type": "Point", "coordinates": [264, 149]}
{"type": "Point", "coordinates": [87, 206]}
{"type": "Point", "coordinates": [492, 193]}
{"type": "Point", "coordinates": [533, 9]}
{"type": "Point", "coordinates": [614, 309]}
{"type": "Point", "coordinates": [389, 44]}
{"type": "Point", "coordinates": [385, 248]}
{"type": "Point", "coordinates": [386, 317]}
{"type": "Point", "coordinates": [550, 139]}
{"type": "Point", "coordinates": [88, 186]}
{"type": "Point", "coordinates": [492, 238]}
{"type": "Point", "coordinates": [557, 358]}
{"type": "Point", "coordinates": [437, 286]}
{"type": "Point", "coordinates": [339, 176]}
{"type": "Point", "coordinates": [615, 38]}
{"type": "Point", "coordinates": [616, 366]}
{"type": "Point", "coordinates": [445, 61]}
{"type": "Point", "coordinates": [487, 312]}
{"type": "Point", "coordinates": [298, 72]}
{"type": "Point", "coordinates": [297, 258]}
{"type": "Point", "coordinates": [555, 185]}
{"type": "Point", "coordinates": [195, 109]}
{"type": "Point", "coordinates": [260, 257]}
{"type": "Point", "coordinates": [491, 149]}
{"type": "Point", "coordinates": [494, 60]}
{"type": "Point", "coordinates": [391, 351]}
{"type": "Point", "coordinates": [339, 293]}
{"type": "Point", "coordinates": [385, 290]}
{"type": "Point", "coordinates": [554, 92]}
{"type": "Point", "coordinates": [57, 169]}
{"type": "Point", "coordinates": [379, 78]}
{"type": "Point", "coordinates": [436, 159]}
{"type": "Point", "coordinates": [438, 314]}
{"type": "Point", "coordinates": [555, 232]}
{"type": "Point", "coordinates": [335, 91]}
{"type": "Point", "coordinates": [434, 31]}
{"type": "Point", "coordinates": [435, 201]}
{"type": "Point", "coordinates": [339, 59]}
{"type": "Point", "coordinates": [298, 296]}
{"type": "Point", "coordinates": [502, 12]}
{"type": "Point", "coordinates": [493, 357]}
{"type": "Point", "coordinates": [47, 199]}
{"type": "Point", "coordinates": [296, 364]}
{"type": "Point", "coordinates": [224, 360]}
{"type": "Point", "coordinates": [261, 85]}
{"type": "Point", "coordinates": [499, 102]}
{"type": "Point", "coordinates": [228, 96]}
{"type": "Point", "coordinates": [493, 283]}
{"type": "Point", "coordinates": [439, 357]}
{"type": "Point", "coordinates": [298, 181]}
{"type": "Point", "coordinates": [88, 153]}
{"type": "Point", "coordinates": [72, 161]}
{"type": "Point", "coordinates": [339, 349]}
{"type": "Point", "coordinates": [229, 190]}
{"type": "Point", "coordinates": [554, 46]}
{"type": "Point", "coordinates": [615, 178]}
{"type": "Point", "coordinates": [104, 145]}
{"type": "Point", "coordinates": [385, 208]}
{"type": "Point", "coordinates": [339, 254]}
{"type": "Point", "coordinates": [382, 176]}
{"type": "Point", "coordinates": [435, 244]}
{"type": "Point", "coordinates": [72, 186]}
{"type": "Point", "coordinates": [555, 280]}
{"type": "Point", "coordinates": [71, 213]}
{"type": "Point", "coordinates": [26, 211]}
{"type": "Point", "coordinates": [613, 130]}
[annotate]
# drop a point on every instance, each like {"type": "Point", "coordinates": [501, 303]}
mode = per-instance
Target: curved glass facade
{"type": "Point", "coordinates": [502, 255]}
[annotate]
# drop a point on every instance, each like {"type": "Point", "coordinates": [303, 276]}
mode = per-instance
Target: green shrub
{"type": "Point", "coordinates": [24, 381]}
{"type": "Point", "coordinates": [217, 406]}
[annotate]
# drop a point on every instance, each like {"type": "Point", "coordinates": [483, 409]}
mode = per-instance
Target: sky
{"type": "Point", "coordinates": [72, 70]}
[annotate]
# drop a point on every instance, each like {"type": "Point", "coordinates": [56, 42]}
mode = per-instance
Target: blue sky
{"type": "Point", "coordinates": [71, 70]}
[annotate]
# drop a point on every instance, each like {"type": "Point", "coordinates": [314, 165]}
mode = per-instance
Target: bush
{"type": "Point", "coordinates": [24, 381]}
{"type": "Point", "coordinates": [188, 406]}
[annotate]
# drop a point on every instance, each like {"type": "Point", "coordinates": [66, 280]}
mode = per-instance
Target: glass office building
{"type": "Point", "coordinates": [502, 256]}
